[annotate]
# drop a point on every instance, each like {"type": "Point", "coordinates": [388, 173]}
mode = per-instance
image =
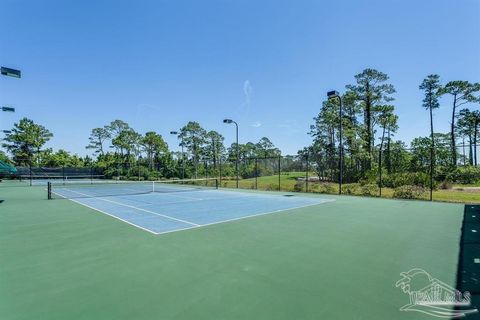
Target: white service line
{"type": "Point", "coordinates": [108, 214]}
{"type": "Point", "coordinates": [249, 216]}
{"type": "Point", "coordinates": [136, 208]}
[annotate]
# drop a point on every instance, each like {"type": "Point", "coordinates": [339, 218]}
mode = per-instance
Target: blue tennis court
{"type": "Point", "coordinates": [163, 211]}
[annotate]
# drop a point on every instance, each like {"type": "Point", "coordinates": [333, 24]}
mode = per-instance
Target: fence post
{"type": "Point", "coordinates": [432, 159]}
{"type": "Point", "coordinates": [341, 169]}
{"type": "Point", "coordinates": [30, 169]}
{"type": "Point", "coordinates": [63, 174]}
{"type": "Point", "coordinates": [380, 172]}
{"type": "Point", "coordinates": [306, 174]}
{"type": "Point", "coordinates": [220, 170]}
{"type": "Point", "coordinates": [279, 172]}
{"type": "Point", "coordinates": [206, 170]}
{"type": "Point", "coordinates": [256, 173]}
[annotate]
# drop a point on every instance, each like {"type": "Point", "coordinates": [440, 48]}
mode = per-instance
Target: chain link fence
{"type": "Point", "coordinates": [391, 171]}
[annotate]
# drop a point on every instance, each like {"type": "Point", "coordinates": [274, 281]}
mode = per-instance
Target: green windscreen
{"type": "Point", "coordinates": [6, 168]}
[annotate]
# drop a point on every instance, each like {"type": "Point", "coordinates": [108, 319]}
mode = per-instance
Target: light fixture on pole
{"type": "Point", "coordinates": [9, 72]}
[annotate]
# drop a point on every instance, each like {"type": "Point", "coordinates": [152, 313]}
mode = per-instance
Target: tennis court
{"type": "Point", "coordinates": [315, 257]}
{"type": "Point", "coordinates": [160, 207]}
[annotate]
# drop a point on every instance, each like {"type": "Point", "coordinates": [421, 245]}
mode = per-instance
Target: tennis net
{"type": "Point", "coordinates": [98, 189]}
{"type": "Point", "coordinates": [58, 179]}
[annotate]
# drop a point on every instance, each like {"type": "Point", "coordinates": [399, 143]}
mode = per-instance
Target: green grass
{"type": "Point", "coordinates": [338, 260]}
{"type": "Point", "coordinates": [288, 181]}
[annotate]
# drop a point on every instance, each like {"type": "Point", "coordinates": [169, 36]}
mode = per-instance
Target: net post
{"type": "Point", "coordinates": [49, 190]}
{"type": "Point", "coordinates": [216, 183]}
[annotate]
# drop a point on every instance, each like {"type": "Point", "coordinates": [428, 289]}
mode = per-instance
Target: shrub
{"type": "Point", "coordinates": [326, 187]}
{"type": "Point", "coordinates": [299, 186]}
{"type": "Point", "coordinates": [271, 187]}
{"type": "Point", "coordinates": [369, 190]}
{"type": "Point", "coordinates": [396, 180]}
{"type": "Point", "coordinates": [446, 185]}
{"type": "Point", "coordinates": [351, 188]}
{"type": "Point", "coordinates": [409, 192]}
{"type": "Point", "coordinates": [464, 175]}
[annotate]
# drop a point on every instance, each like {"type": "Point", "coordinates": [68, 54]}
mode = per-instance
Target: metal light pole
{"type": "Point", "coordinates": [236, 132]}
{"type": "Point", "coordinates": [333, 95]}
{"type": "Point", "coordinates": [183, 157]}
{"type": "Point", "coordinates": [9, 73]}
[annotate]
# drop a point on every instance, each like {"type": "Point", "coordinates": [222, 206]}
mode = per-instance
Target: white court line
{"type": "Point", "coordinates": [163, 193]}
{"type": "Point", "coordinates": [195, 226]}
{"type": "Point", "coordinates": [148, 204]}
{"type": "Point", "coordinates": [136, 208]}
{"type": "Point", "coordinates": [108, 214]}
{"type": "Point", "coordinates": [246, 217]}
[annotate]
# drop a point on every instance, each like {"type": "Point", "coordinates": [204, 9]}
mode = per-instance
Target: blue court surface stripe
{"type": "Point", "coordinates": [167, 212]}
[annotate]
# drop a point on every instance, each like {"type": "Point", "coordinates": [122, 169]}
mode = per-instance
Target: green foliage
{"type": "Point", "coordinates": [370, 190]}
{"type": "Point", "coordinates": [445, 185]}
{"type": "Point", "coordinates": [4, 158]}
{"type": "Point", "coordinates": [396, 180]}
{"type": "Point", "coordinates": [299, 186]}
{"type": "Point", "coordinates": [97, 139]}
{"type": "Point", "coordinates": [351, 189]}
{"type": "Point", "coordinates": [26, 140]}
{"type": "Point", "coordinates": [464, 175]}
{"type": "Point", "coordinates": [323, 187]}
{"type": "Point", "coordinates": [61, 158]}
{"type": "Point", "coordinates": [432, 88]}
{"type": "Point", "coordinates": [409, 192]}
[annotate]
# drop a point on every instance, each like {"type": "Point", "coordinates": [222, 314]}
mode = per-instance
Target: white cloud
{"type": "Point", "coordinates": [256, 124]}
{"type": "Point", "coordinates": [247, 90]}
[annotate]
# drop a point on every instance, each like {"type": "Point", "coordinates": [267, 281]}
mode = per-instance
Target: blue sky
{"type": "Point", "coordinates": [160, 64]}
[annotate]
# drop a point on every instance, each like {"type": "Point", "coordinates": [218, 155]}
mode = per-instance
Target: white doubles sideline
{"type": "Point", "coordinates": [192, 225]}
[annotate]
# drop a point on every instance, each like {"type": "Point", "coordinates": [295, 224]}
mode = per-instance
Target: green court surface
{"type": "Point", "coordinates": [336, 260]}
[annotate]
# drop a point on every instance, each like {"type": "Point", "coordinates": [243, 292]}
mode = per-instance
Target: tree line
{"type": "Point", "coordinates": [370, 123]}
{"type": "Point", "coordinates": [117, 146]}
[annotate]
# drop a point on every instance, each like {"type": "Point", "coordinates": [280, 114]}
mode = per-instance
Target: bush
{"type": "Point", "coordinates": [396, 180]}
{"type": "Point", "coordinates": [446, 185]}
{"type": "Point", "coordinates": [299, 186]}
{"type": "Point", "coordinates": [351, 189]}
{"type": "Point", "coordinates": [326, 187]}
{"type": "Point", "coordinates": [409, 192]}
{"type": "Point", "coordinates": [271, 187]}
{"type": "Point", "coordinates": [369, 190]}
{"type": "Point", "coordinates": [464, 175]}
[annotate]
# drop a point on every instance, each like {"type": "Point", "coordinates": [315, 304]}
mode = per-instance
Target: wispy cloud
{"type": "Point", "coordinates": [247, 91]}
{"type": "Point", "coordinates": [256, 124]}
